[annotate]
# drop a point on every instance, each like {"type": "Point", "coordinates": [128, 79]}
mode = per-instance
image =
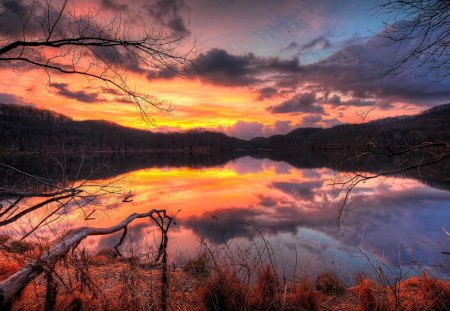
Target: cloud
{"type": "Point", "coordinates": [357, 71]}
{"type": "Point", "coordinates": [267, 92]}
{"type": "Point", "coordinates": [319, 43]}
{"type": "Point", "coordinates": [114, 5]}
{"type": "Point", "coordinates": [245, 130]}
{"type": "Point", "coordinates": [222, 225]}
{"type": "Point", "coordinates": [377, 216]}
{"type": "Point", "coordinates": [248, 130]}
{"type": "Point", "coordinates": [305, 191]}
{"type": "Point", "coordinates": [311, 120]}
{"type": "Point", "coordinates": [303, 102]}
{"type": "Point", "coordinates": [82, 96]}
{"type": "Point", "coordinates": [267, 201]}
{"type": "Point", "coordinates": [352, 75]}
{"type": "Point", "coordinates": [169, 13]}
{"type": "Point", "coordinates": [6, 98]}
{"type": "Point", "coordinates": [315, 44]}
{"type": "Point", "coordinates": [356, 102]}
{"type": "Point", "coordinates": [13, 13]}
{"type": "Point", "coordinates": [219, 67]}
{"type": "Point", "coordinates": [136, 233]}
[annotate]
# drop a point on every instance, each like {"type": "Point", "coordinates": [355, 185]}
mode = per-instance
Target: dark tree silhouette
{"type": "Point", "coordinates": [421, 28]}
{"type": "Point", "coordinates": [60, 38]}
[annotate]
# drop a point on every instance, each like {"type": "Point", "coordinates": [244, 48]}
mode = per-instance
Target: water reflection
{"type": "Point", "coordinates": [294, 207]}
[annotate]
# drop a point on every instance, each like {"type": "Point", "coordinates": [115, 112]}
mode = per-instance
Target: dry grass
{"type": "Point", "coordinates": [371, 296]}
{"type": "Point", "coordinates": [425, 293]}
{"type": "Point", "coordinates": [329, 284]}
{"type": "Point", "coordinates": [304, 297]}
{"type": "Point", "coordinates": [266, 292]}
{"type": "Point", "coordinates": [198, 267]}
{"type": "Point", "coordinates": [104, 282]}
{"type": "Point", "coordinates": [224, 291]}
{"type": "Point", "coordinates": [8, 267]}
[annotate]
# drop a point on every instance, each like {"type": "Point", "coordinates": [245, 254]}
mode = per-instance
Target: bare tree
{"type": "Point", "coordinates": [12, 286]}
{"type": "Point", "coordinates": [60, 38]}
{"type": "Point", "coordinates": [378, 159]}
{"type": "Point", "coordinates": [35, 202]}
{"type": "Point", "coordinates": [421, 31]}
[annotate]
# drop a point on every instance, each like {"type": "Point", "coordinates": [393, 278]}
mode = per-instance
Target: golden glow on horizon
{"type": "Point", "coordinates": [196, 104]}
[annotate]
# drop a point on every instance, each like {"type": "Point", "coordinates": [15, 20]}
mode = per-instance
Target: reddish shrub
{"type": "Point", "coordinates": [266, 290]}
{"type": "Point", "coordinates": [371, 296]}
{"type": "Point", "coordinates": [329, 284]}
{"type": "Point", "coordinates": [224, 292]}
{"type": "Point", "coordinates": [307, 300]}
{"type": "Point", "coordinates": [8, 268]}
{"type": "Point", "coordinates": [435, 293]}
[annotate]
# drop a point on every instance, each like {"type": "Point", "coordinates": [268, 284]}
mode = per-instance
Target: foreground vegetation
{"type": "Point", "coordinates": [109, 282]}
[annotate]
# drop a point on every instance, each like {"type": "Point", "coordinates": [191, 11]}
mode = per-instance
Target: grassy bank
{"type": "Point", "coordinates": [108, 282]}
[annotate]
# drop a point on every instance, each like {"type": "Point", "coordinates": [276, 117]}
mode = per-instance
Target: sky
{"type": "Point", "coordinates": [262, 67]}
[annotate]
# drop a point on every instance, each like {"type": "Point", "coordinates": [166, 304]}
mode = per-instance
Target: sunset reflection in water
{"type": "Point", "coordinates": [293, 208]}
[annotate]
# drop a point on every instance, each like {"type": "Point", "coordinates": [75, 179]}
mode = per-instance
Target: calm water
{"type": "Point", "coordinates": [394, 219]}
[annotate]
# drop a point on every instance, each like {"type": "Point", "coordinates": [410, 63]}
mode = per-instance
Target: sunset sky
{"type": "Point", "coordinates": [265, 67]}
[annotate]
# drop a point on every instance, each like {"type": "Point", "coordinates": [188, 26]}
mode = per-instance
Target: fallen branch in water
{"type": "Point", "coordinates": [12, 286]}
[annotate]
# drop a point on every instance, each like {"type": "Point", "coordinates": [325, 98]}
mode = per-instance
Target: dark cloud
{"type": "Point", "coordinates": [291, 46]}
{"type": "Point", "coordinates": [376, 217]}
{"type": "Point", "coordinates": [354, 72]}
{"type": "Point", "coordinates": [219, 226]}
{"type": "Point", "coordinates": [219, 67]}
{"type": "Point", "coordinates": [356, 102]}
{"type": "Point", "coordinates": [82, 96]}
{"type": "Point", "coordinates": [136, 233]}
{"type": "Point", "coordinates": [299, 191]}
{"type": "Point", "coordinates": [114, 5]}
{"type": "Point", "coordinates": [222, 225]}
{"type": "Point", "coordinates": [13, 13]}
{"type": "Point", "coordinates": [319, 43]}
{"type": "Point", "coordinates": [267, 201]}
{"type": "Point", "coordinates": [267, 92]}
{"type": "Point", "coordinates": [300, 103]}
{"type": "Point", "coordinates": [311, 120]}
{"type": "Point", "coordinates": [6, 98]}
{"type": "Point", "coordinates": [315, 44]}
{"type": "Point", "coordinates": [357, 71]}
{"type": "Point", "coordinates": [118, 56]}
{"type": "Point", "coordinates": [169, 13]}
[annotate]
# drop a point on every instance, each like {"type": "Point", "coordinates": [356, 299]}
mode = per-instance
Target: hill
{"type": "Point", "coordinates": [25, 128]}
{"type": "Point", "coordinates": [30, 129]}
{"type": "Point", "coordinates": [430, 125]}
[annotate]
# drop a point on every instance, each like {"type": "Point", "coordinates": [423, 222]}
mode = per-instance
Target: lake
{"type": "Point", "coordinates": [295, 209]}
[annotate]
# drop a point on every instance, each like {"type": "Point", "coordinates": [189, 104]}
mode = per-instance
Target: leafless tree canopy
{"type": "Point", "coordinates": [61, 38]}
{"type": "Point", "coordinates": [422, 30]}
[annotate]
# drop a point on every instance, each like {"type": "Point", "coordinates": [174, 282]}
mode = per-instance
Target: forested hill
{"type": "Point", "coordinates": [24, 128]}
{"type": "Point", "coordinates": [432, 125]}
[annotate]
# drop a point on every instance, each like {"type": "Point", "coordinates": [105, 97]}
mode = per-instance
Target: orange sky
{"type": "Point", "coordinates": [195, 104]}
{"type": "Point", "coordinates": [266, 68]}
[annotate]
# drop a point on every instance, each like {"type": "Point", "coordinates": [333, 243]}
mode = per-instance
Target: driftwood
{"type": "Point", "coordinates": [12, 286]}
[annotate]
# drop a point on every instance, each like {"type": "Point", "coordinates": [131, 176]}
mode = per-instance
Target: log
{"type": "Point", "coordinates": [12, 286]}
